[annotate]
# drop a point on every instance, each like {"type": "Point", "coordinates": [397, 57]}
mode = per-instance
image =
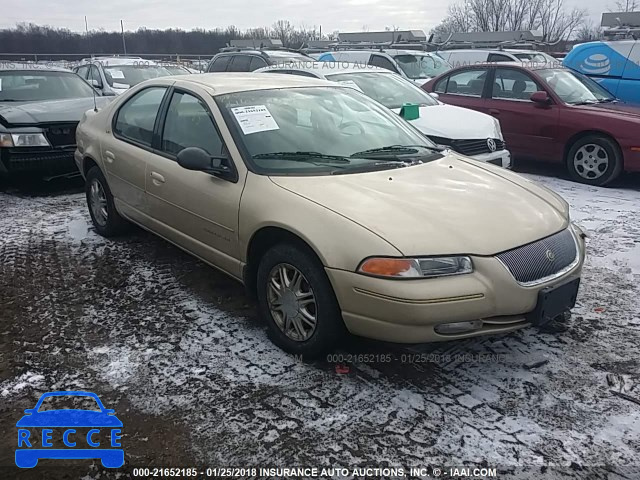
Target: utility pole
{"type": "Point", "coordinates": [124, 44]}
{"type": "Point", "coordinates": [86, 30]}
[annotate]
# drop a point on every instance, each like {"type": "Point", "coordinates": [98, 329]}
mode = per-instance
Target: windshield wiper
{"type": "Point", "coordinates": [303, 156]}
{"type": "Point", "coordinates": [396, 150]}
{"type": "Point", "coordinates": [371, 167]}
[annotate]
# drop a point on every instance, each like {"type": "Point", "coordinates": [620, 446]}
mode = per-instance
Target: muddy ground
{"type": "Point", "coordinates": [177, 350]}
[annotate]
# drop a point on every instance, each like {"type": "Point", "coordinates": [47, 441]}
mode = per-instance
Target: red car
{"type": "Point", "coordinates": [550, 114]}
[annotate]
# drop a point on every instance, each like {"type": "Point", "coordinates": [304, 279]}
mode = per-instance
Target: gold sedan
{"type": "Point", "coordinates": [335, 212]}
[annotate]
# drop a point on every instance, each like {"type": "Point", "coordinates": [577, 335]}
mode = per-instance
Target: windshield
{"type": "Point", "coordinates": [176, 70]}
{"type": "Point", "coordinates": [574, 88]}
{"type": "Point", "coordinates": [35, 86]}
{"type": "Point", "coordinates": [69, 402]}
{"type": "Point", "coordinates": [333, 123]}
{"type": "Point", "coordinates": [422, 66]}
{"type": "Point", "coordinates": [125, 76]}
{"type": "Point", "coordinates": [535, 57]}
{"type": "Point", "coordinates": [388, 89]}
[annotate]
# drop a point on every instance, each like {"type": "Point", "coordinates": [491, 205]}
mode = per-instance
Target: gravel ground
{"type": "Point", "coordinates": [177, 350]}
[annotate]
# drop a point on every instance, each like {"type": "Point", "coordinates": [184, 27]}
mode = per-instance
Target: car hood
{"type": "Point", "coordinates": [618, 109]}
{"type": "Point", "coordinates": [69, 418]}
{"type": "Point", "coordinates": [34, 113]}
{"type": "Point", "coordinates": [456, 123]}
{"type": "Point", "coordinates": [448, 206]}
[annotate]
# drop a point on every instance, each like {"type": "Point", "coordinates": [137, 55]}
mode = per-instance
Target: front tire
{"type": "Point", "coordinates": [594, 160]}
{"type": "Point", "coordinates": [297, 301]}
{"type": "Point", "coordinates": [106, 219]}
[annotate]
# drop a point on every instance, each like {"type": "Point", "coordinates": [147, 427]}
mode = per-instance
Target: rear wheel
{"type": "Point", "coordinates": [595, 160]}
{"type": "Point", "coordinates": [297, 301]}
{"type": "Point", "coordinates": [106, 219]}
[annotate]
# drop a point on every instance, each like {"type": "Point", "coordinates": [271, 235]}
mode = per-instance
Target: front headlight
{"type": "Point", "coordinates": [23, 140]}
{"type": "Point", "coordinates": [426, 267]}
{"type": "Point", "coordinates": [498, 129]}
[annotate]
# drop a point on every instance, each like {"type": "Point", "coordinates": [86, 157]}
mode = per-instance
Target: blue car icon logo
{"type": "Point", "coordinates": [69, 433]}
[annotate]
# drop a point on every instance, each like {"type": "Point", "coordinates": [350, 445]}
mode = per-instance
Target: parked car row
{"type": "Point", "coordinates": [551, 114]}
{"type": "Point", "coordinates": [336, 214]}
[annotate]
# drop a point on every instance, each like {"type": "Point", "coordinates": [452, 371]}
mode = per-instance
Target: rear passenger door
{"type": "Point", "coordinates": [126, 152]}
{"type": "Point", "coordinates": [219, 64]}
{"type": "Point", "coordinates": [465, 88]}
{"type": "Point", "coordinates": [195, 210]}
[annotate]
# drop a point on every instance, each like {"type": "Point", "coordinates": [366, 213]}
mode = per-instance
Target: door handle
{"type": "Point", "coordinates": [110, 156]}
{"type": "Point", "coordinates": [157, 178]}
{"type": "Point", "coordinates": [493, 111]}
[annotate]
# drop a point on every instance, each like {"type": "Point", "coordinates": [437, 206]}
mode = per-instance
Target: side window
{"type": "Point", "coordinates": [239, 63]}
{"type": "Point", "coordinates": [380, 61]}
{"type": "Point", "coordinates": [94, 74]}
{"type": "Point", "coordinates": [511, 84]}
{"type": "Point", "coordinates": [82, 71]}
{"type": "Point", "coordinates": [256, 63]}
{"type": "Point", "coordinates": [220, 64]}
{"type": "Point", "coordinates": [136, 118]}
{"type": "Point", "coordinates": [497, 57]}
{"type": "Point", "coordinates": [441, 86]}
{"type": "Point", "coordinates": [188, 124]}
{"type": "Point", "coordinates": [467, 82]}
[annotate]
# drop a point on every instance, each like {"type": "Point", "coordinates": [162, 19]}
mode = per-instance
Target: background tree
{"type": "Point", "coordinates": [550, 16]}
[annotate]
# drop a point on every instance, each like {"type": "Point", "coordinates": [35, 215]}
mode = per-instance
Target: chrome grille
{"type": "Point", "coordinates": [61, 135]}
{"type": "Point", "coordinates": [469, 147]}
{"type": "Point", "coordinates": [542, 259]}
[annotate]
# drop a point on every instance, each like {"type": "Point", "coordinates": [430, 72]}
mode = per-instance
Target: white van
{"type": "Point", "coordinates": [462, 57]}
{"type": "Point", "coordinates": [414, 65]}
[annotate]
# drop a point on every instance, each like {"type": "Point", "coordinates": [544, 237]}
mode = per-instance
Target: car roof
{"type": "Point", "coordinates": [114, 61]}
{"type": "Point", "coordinates": [222, 83]}
{"type": "Point", "coordinates": [329, 68]}
{"type": "Point", "coordinates": [397, 51]}
{"type": "Point", "coordinates": [525, 65]}
{"type": "Point", "coordinates": [31, 67]}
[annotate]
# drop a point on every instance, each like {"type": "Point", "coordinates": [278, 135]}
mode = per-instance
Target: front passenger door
{"type": "Point", "coordinates": [195, 210]}
{"type": "Point", "coordinates": [526, 126]}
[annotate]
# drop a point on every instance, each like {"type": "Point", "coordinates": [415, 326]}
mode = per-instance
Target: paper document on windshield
{"type": "Point", "coordinates": [254, 119]}
{"type": "Point", "coordinates": [116, 73]}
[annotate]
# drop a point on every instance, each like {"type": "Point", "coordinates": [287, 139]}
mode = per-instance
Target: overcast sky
{"type": "Point", "coordinates": [343, 15]}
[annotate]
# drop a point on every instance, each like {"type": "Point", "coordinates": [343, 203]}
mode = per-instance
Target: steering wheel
{"type": "Point", "coordinates": [344, 126]}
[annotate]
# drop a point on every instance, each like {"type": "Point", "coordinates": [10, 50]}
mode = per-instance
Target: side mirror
{"type": "Point", "coordinates": [435, 95]}
{"type": "Point", "coordinates": [29, 411]}
{"type": "Point", "coordinates": [95, 83]}
{"type": "Point", "coordinates": [109, 411]}
{"type": "Point", "coordinates": [540, 98]}
{"type": "Point", "coordinates": [195, 158]}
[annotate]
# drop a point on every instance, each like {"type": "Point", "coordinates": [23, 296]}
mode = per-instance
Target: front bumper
{"type": "Point", "coordinates": [41, 160]}
{"type": "Point", "coordinates": [502, 158]}
{"type": "Point", "coordinates": [407, 311]}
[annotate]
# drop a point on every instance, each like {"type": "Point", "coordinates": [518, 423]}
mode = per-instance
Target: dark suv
{"type": "Point", "coordinates": [244, 60]}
